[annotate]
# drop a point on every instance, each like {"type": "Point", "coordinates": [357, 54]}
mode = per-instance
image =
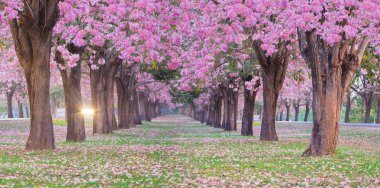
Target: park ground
{"type": "Point", "coordinates": [175, 151]}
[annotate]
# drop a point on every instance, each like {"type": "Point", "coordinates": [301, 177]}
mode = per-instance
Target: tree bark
{"type": "Point", "coordinates": [122, 100]}
{"type": "Point", "coordinates": [296, 106]}
{"type": "Point", "coordinates": [378, 111]}
{"type": "Point", "coordinates": [102, 83]}
{"type": "Point", "coordinates": [10, 94]}
{"type": "Point", "coordinates": [32, 38]}
{"type": "Point", "coordinates": [216, 112]}
{"type": "Point", "coordinates": [249, 108]}
{"type": "Point", "coordinates": [27, 111]}
{"type": "Point", "coordinates": [20, 109]}
{"type": "Point", "coordinates": [368, 106]}
{"type": "Point", "coordinates": [332, 69]}
{"type": "Point", "coordinates": [230, 100]}
{"type": "Point", "coordinates": [125, 83]}
{"type": "Point", "coordinates": [273, 73]}
{"type": "Point", "coordinates": [287, 106]}
{"type": "Point", "coordinates": [307, 111]}
{"type": "Point", "coordinates": [71, 78]}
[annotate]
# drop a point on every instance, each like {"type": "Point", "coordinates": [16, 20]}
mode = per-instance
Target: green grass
{"type": "Point", "coordinates": [184, 153]}
{"type": "Point", "coordinates": [60, 122]}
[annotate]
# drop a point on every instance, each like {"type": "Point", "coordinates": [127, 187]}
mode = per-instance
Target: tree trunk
{"type": "Point", "coordinates": [281, 115]}
{"type": "Point", "coordinates": [53, 103]}
{"type": "Point", "coordinates": [133, 109]}
{"type": "Point", "coordinates": [211, 113]}
{"type": "Point", "coordinates": [148, 114]}
{"type": "Point", "coordinates": [287, 106]}
{"type": "Point", "coordinates": [125, 83]}
{"type": "Point", "coordinates": [230, 99]}
{"type": "Point", "coordinates": [27, 111]}
{"type": "Point", "coordinates": [307, 111]}
{"type": "Point", "coordinates": [273, 73]}
{"type": "Point", "coordinates": [332, 70]}
{"type": "Point", "coordinates": [32, 38]}
{"type": "Point", "coordinates": [218, 111]}
{"type": "Point", "coordinates": [141, 99]}
{"type": "Point", "coordinates": [249, 108]}
{"type": "Point", "coordinates": [41, 134]}
{"type": "Point", "coordinates": [368, 106]}
{"type": "Point", "coordinates": [71, 78]}
{"type": "Point", "coordinates": [378, 111]}
{"type": "Point", "coordinates": [9, 102]}
{"type": "Point", "coordinates": [102, 83]}
{"type": "Point", "coordinates": [296, 110]}
{"type": "Point", "coordinates": [20, 109]}
{"type": "Point", "coordinates": [348, 108]}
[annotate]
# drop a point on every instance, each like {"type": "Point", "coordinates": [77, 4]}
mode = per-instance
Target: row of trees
{"type": "Point", "coordinates": [331, 38]}
{"type": "Point", "coordinates": [215, 45]}
{"type": "Point", "coordinates": [81, 38]}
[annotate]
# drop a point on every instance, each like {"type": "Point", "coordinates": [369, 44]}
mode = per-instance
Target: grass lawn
{"type": "Point", "coordinates": [174, 151]}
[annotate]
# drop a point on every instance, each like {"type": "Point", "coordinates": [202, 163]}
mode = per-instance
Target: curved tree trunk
{"type": "Point", "coordinates": [273, 79]}
{"type": "Point", "coordinates": [332, 70]}
{"type": "Point", "coordinates": [20, 109]}
{"type": "Point", "coordinates": [71, 78]}
{"type": "Point", "coordinates": [273, 73]}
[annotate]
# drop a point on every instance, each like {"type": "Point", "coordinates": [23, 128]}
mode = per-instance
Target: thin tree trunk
{"type": "Point", "coordinates": [211, 113]}
{"type": "Point", "coordinates": [218, 111]}
{"type": "Point", "coordinates": [287, 106]}
{"type": "Point", "coordinates": [27, 111]}
{"type": "Point", "coordinates": [20, 109]}
{"type": "Point", "coordinates": [378, 111]}
{"type": "Point", "coordinates": [307, 111]}
{"type": "Point", "coordinates": [9, 102]}
{"type": "Point", "coordinates": [53, 102]}
{"type": "Point", "coordinates": [296, 110]}
{"type": "Point", "coordinates": [348, 108]}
